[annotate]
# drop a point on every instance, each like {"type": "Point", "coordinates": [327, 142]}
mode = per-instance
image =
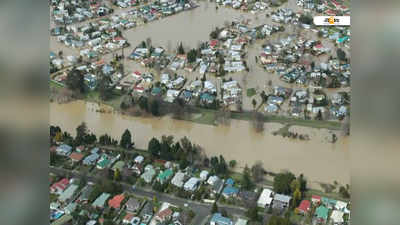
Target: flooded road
{"type": "Point", "coordinates": [316, 159]}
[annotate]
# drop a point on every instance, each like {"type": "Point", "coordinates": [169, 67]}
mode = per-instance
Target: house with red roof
{"type": "Point", "coordinates": [304, 206]}
{"type": "Point", "coordinates": [316, 199]}
{"type": "Point", "coordinates": [76, 157]}
{"type": "Point", "coordinates": [128, 218]}
{"type": "Point", "coordinates": [163, 215]}
{"type": "Point", "coordinates": [59, 186]}
{"type": "Point", "coordinates": [213, 43]}
{"type": "Point", "coordinates": [115, 202]}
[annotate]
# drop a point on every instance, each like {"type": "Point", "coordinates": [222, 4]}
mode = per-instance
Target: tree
{"type": "Point", "coordinates": [252, 214]}
{"type": "Point", "coordinates": [191, 56]}
{"type": "Point", "coordinates": [214, 208]}
{"type": "Point", "coordinates": [247, 183]}
{"type": "Point", "coordinates": [306, 19]}
{"type": "Point", "coordinates": [296, 197]}
{"type": "Point", "coordinates": [81, 133]}
{"type": "Point", "coordinates": [341, 54]}
{"type": "Point", "coordinates": [104, 87]}
{"type": "Point", "coordinates": [155, 107]}
{"type": "Point", "coordinates": [126, 139]}
{"type": "Point", "coordinates": [117, 175]}
{"type": "Point", "coordinates": [275, 220]}
{"type": "Point", "coordinates": [254, 103]}
{"type": "Point", "coordinates": [232, 163]}
{"type": "Point", "coordinates": [257, 171]}
{"type": "Point", "coordinates": [75, 81]}
{"type": "Point", "coordinates": [143, 103]}
{"type": "Point", "coordinates": [344, 192]}
{"type": "Point", "coordinates": [154, 147]}
{"type": "Point", "coordinates": [181, 50]}
{"type": "Point", "coordinates": [282, 182]}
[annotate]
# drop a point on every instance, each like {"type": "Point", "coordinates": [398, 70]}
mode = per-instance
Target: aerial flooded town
{"type": "Point", "coordinates": [197, 112]}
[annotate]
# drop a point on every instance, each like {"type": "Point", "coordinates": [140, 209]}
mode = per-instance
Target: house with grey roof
{"type": "Point", "coordinates": [64, 150]}
{"type": "Point", "coordinates": [281, 201]}
{"type": "Point", "coordinates": [91, 159]}
{"type": "Point", "coordinates": [149, 174]}
{"type": "Point", "coordinates": [132, 205]}
{"type": "Point", "coordinates": [68, 193]}
{"type": "Point", "coordinates": [178, 179]}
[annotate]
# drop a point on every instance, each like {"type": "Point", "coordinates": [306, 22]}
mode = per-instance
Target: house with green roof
{"type": "Point", "coordinates": [101, 200]}
{"type": "Point", "coordinates": [118, 165]}
{"type": "Point", "coordinates": [103, 162]}
{"type": "Point", "coordinates": [322, 213]}
{"type": "Point", "coordinates": [329, 203]}
{"type": "Point", "coordinates": [165, 175]}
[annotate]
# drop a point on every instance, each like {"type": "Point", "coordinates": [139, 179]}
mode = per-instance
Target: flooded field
{"type": "Point", "coordinates": [317, 159]}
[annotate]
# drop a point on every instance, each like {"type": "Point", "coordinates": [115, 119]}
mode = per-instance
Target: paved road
{"type": "Point", "coordinates": [202, 210]}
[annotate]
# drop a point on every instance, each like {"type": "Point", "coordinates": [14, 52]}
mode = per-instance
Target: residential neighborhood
{"type": "Point", "coordinates": [197, 112]}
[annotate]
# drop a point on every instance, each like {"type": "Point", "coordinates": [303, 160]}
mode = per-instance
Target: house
{"type": "Point", "coordinates": [68, 193]}
{"type": "Point", "coordinates": [241, 221]}
{"type": "Point", "coordinates": [337, 217]}
{"type": "Point", "coordinates": [76, 157]}
{"type": "Point", "coordinates": [91, 159]}
{"type": "Point", "coordinates": [128, 218]}
{"type": "Point", "coordinates": [341, 206]}
{"type": "Point", "coordinates": [178, 179]}
{"type": "Point", "coordinates": [103, 162]}
{"type": "Point", "coordinates": [322, 213]}
{"type": "Point", "coordinates": [115, 202]}
{"type": "Point", "coordinates": [59, 186]}
{"type": "Point", "coordinates": [304, 206]}
{"type": "Point", "coordinates": [139, 159]}
{"type": "Point", "coordinates": [217, 186]}
{"type": "Point", "coordinates": [101, 200]}
{"type": "Point", "coordinates": [230, 182]}
{"type": "Point", "coordinates": [163, 215]}
{"type": "Point", "coordinates": [315, 199]}
{"type": "Point", "coordinates": [281, 201]}
{"type": "Point", "coordinates": [80, 149]}
{"type": "Point", "coordinates": [84, 197]}
{"type": "Point", "coordinates": [149, 173]}
{"type": "Point", "coordinates": [248, 196]}
{"type": "Point", "coordinates": [204, 175]}
{"type": "Point", "coordinates": [137, 168]}
{"type": "Point", "coordinates": [64, 150]}
{"type": "Point", "coordinates": [230, 191]}
{"type": "Point", "coordinates": [70, 208]}
{"type": "Point", "coordinates": [329, 203]}
{"type": "Point", "coordinates": [218, 219]}
{"type": "Point", "coordinates": [132, 205]}
{"type": "Point", "coordinates": [164, 176]}
{"type": "Point", "coordinates": [118, 165]}
{"type": "Point", "coordinates": [265, 198]}
{"type": "Point", "coordinates": [147, 212]}
{"type": "Point", "coordinates": [191, 184]}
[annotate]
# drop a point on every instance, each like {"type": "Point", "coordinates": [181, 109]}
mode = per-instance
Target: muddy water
{"type": "Point", "coordinates": [318, 160]}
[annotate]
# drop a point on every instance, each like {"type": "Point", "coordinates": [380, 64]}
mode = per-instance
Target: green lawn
{"type": "Point", "coordinates": [251, 92]}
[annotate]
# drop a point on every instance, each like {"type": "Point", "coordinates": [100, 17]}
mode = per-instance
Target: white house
{"type": "Point", "coordinates": [265, 198]}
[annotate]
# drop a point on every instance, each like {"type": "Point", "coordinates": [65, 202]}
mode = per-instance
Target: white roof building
{"type": "Point", "coordinates": [204, 175]}
{"type": "Point", "coordinates": [139, 159]}
{"type": "Point", "coordinates": [191, 184]}
{"type": "Point", "coordinates": [265, 198]}
{"type": "Point", "coordinates": [337, 217]}
{"type": "Point", "coordinates": [178, 179]}
{"type": "Point", "coordinates": [212, 180]}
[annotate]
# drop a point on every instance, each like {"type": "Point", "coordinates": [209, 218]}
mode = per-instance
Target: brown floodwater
{"type": "Point", "coordinates": [318, 160]}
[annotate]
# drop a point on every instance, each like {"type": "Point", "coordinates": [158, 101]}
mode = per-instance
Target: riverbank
{"type": "Point", "coordinates": [209, 116]}
{"type": "Point", "coordinates": [316, 158]}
